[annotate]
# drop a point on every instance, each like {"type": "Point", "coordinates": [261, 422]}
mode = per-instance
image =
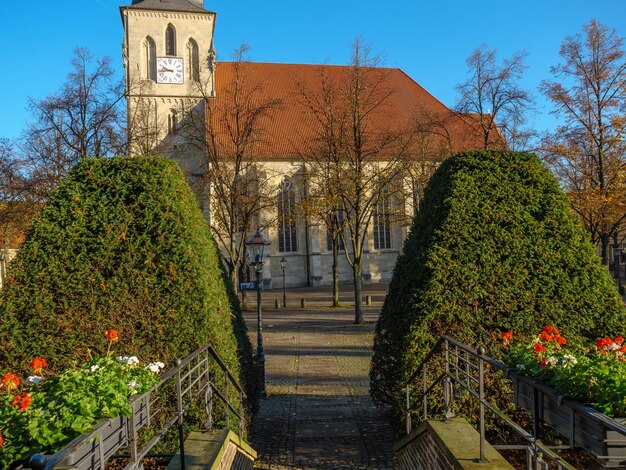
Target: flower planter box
{"type": "Point", "coordinates": [90, 451]}
{"type": "Point", "coordinates": [582, 425]}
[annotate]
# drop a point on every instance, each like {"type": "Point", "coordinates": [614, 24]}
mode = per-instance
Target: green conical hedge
{"type": "Point", "coordinates": [122, 244]}
{"type": "Point", "coordinates": [494, 247]}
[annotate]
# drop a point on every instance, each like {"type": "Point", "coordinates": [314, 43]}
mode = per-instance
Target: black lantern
{"type": "Point", "coordinates": [257, 252]}
{"type": "Point", "coordinates": [256, 249]}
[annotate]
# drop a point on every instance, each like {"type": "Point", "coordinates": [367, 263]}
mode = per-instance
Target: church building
{"type": "Point", "coordinates": [174, 81]}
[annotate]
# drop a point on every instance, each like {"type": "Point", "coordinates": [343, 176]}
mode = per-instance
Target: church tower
{"type": "Point", "coordinates": [169, 61]}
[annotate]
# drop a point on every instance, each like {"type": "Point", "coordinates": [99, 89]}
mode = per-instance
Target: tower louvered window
{"type": "Point", "coordinates": [193, 60]}
{"type": "Point", "coordinates": [170, 40]}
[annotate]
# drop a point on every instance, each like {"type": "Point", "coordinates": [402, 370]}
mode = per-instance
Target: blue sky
{"type": "Point", "coordinates": [428, 40]}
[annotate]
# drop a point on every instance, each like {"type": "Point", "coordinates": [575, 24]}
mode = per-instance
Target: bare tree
{"type": "Point", "coordinates": [82, 120]}
{"type": "Point", "coordinates": [588, 151]}
{"type": "Point", "coordinates": [493, 98]}
{"type": "Point", "coordinates": [227, 132]}
{"type": "Point", "coordinates": [363, 161]}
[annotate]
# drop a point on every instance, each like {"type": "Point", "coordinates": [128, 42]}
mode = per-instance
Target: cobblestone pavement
{"type": "Point", "coordinates": [318, 413]}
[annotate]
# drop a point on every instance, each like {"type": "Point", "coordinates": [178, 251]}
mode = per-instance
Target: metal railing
{"type": "Point", "coordinates": [464, 368]}
{"type": "Point", "coordinates": [190, 379]}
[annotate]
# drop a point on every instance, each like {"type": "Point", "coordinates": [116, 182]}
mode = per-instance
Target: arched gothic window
{"type": "Point", "coordinates": [287, 235]}
{"type": "Point", "coordinates": [149, 59]}
{"type": "Point", "coordinates": [170, 40]}
{"type": "Point", "coordinates": [382, 223]}
{"type": "Point", "coordinates": [193, 59]}
{"type": "Point", "coordinates": [172, 122]}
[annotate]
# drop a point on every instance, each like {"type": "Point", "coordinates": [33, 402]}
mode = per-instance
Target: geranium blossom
{"type": "Point", "coordinates": [539, 348]}
{"type": "Point", "coordinates": [112, 336]}
{"type": "Point", "coordinates": [569, 360]}
{"type": "Point", "coordinates": [38, 364]}
{"type": "Point", "coordinates": [22, 402]}
{"type": "Point", "coordinates": [155, 367]}
{"type": "Point", "coordinates": [130, 360]}
{"type": "Point", "coordinates": [1, 439]}
{"type": "Point", "coordinates": [10, 381]}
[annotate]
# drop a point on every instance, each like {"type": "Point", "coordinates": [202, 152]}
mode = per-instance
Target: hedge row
{"type": "Point", "coordinates": [122, 244]}
{"type": "Point", "coordinates": [494, 247]}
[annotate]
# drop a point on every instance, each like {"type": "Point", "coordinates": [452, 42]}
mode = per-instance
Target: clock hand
{"type": "Point", "coordinates": [165, 70]}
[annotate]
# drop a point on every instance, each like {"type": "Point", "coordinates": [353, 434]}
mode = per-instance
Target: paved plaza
{"type": "Point", "coordinates": [318, 413]}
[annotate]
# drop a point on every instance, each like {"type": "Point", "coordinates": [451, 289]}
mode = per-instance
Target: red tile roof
{"type": "Point", "coordinates": [285, 132]}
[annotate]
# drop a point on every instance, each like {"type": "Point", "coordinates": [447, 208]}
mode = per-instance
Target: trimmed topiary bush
{"type": "Point", "coordinates": [122, 244]}
{"type": "Point", "coordinates": [494, 247]}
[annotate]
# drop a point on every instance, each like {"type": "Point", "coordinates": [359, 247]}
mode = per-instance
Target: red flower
{"type": "Point", "coordinates": [539, 348]}
{"type": "Point", "coordinates": [16, 400]}
{"type": "Point", "coordinates": [544, 362]}
{"type": "Point", "coordinates": [551, 330]}
{"type": "Point", "coordinates": [25, 401]}
{"type": "Point", "coordinates": [618, 340]}
{"type": "Point", "coordinates": [112, 336]}
{"type": "Point", "coordinates": [507, 336]}
{"type": "Point", "coordinates": [561, 340]}
{"type": "Point", "coordinates": [1, 439]}
{"type": "Point", "coordinates": [38, 364]}
{"type": "Point", "coordinates": [11, 381]}
{"type": "Point", "coordinates": [604, 343]}
{"type": "Point", "coordinates": [546, 337]}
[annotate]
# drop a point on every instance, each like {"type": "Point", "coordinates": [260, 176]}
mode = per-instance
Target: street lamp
{"type": "Point", "coordinates": [283, 265]}
{"type": "Point", "coordinates": [256, 250]}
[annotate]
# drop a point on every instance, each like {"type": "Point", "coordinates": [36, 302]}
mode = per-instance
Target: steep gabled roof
{"type": "Point", "coordinates": [170, 5]}
{"type": "Point", "coordinates": [290, 128]}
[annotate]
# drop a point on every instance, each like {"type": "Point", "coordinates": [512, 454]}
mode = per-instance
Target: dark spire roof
{"type": "Point", "coordinates": [170, 5]}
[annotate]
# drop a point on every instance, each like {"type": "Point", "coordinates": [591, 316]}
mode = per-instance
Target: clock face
{"type": "Point", "coordinates": [169, 70]}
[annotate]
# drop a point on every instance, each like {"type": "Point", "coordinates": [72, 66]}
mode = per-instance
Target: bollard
{"type": "Point", "coordinates": [368, 300]}
{"type": "Point", "coordinates": [303, 303]}
{"type": "Point", "coordinates": [276, 304]}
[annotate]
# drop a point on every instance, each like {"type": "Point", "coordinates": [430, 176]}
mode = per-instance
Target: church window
{"type": "Point", "coordinates": [382, 224]}
{"type": "Point", "coordinates": [287, 235]}
{"type": "Point", "coordinates": [170, 40]}
{"type": "Point", "coordinates": [193, 60]}
{"type": "Point", "coordinates": [149, 59]}
{"type": "Point", "coordinates": [172, 122]}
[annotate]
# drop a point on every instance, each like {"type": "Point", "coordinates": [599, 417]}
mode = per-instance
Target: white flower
{"type": "Point", "coordinates": [94, 368]}
{"type": "Point", "coordinates": [613, 346]}
{"type": "Point", "coordinates": [552, 361]}
{"type": "Point", "coordinates": [130, 360]}
{"type": "Point", "coordinates": [34, 379]}
{"type": "Point", "coordinates": [568, 360]}
{"type": "Point", "coordinates": [132, 384]}
{"type": "Point", "coordinates": [155, 367]}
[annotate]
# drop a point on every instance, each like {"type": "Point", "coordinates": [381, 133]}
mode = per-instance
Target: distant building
{"type": "Point", "coordinates": [171, 70]}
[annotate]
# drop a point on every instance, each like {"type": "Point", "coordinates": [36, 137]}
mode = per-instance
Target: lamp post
{"type": "Point", "coordinates": [283, 265]}
{"type": "Point", "coordinates": [256, 248]}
